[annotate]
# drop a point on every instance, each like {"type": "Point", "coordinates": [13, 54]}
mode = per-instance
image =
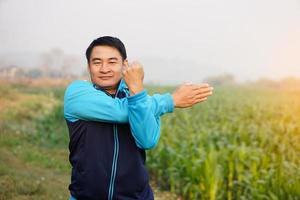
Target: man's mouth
{"type": "Point", "coordinates": [105, 77]}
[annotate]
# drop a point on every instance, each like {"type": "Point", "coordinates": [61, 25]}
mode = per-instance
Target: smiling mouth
{"type": "Point", "coordinates": [105, 77]}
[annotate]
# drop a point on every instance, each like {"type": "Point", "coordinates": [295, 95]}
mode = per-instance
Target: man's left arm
{"type": "Point", "coordinates": [144, 113]}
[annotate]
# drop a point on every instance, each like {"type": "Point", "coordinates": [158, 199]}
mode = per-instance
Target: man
{"type": "Point", "coordinates": [112, 121]}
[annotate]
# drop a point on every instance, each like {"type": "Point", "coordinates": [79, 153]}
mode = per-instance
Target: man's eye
{"type": "Point", "coordinates": [97, 63]}
{"type": "Point", "coordinates": [112, 62]}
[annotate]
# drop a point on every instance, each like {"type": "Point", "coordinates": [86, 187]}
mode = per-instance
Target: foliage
{"type": "Point", "coordinates": [243, 143]}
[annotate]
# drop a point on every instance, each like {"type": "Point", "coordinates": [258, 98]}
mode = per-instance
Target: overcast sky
{"type": "Point", "coordinates": [176, 40]}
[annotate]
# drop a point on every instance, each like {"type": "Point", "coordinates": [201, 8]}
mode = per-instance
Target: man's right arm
{"type": "Point", "coordinates": [83, 101]}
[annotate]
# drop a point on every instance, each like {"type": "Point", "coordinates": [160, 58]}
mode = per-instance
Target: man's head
{"type": "Point", "coordinates": [106, 57]}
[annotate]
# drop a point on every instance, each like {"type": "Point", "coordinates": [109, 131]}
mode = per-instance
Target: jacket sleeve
{"type": "Point", "coordinates": [144, 113]}
{"type": "Point", "coordinates": [83, 101]}
{"type": "Point", "coordinates": [141, 111]}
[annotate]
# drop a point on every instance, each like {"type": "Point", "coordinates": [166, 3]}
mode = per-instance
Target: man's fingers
{"type": "Point", "coordinates": [200, 86]}
{"type": "Point", "coordinates": [203, 90]}
{"type": "Point", "coordinates": [135, 64]}
{"type": "Point", "coordinates": [203, 95]}
{"type": "Point", "coordinates": [200, 100]}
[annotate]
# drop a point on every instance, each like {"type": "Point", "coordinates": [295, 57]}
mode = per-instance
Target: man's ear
{"type": "Point", "coordinates": [88, 69]}
{"type": "Point", "coordinates": [125, 62]}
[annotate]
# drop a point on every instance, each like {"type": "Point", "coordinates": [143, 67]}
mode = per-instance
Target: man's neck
{"type": "Point", "coordinates": [110, 90]}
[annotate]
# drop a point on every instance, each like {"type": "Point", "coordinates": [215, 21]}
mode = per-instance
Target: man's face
{"type": "Point", "coordinates": [105, 67]}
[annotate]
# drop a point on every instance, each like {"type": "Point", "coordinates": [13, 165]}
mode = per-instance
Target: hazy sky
{"type": "Point", "coordinates": [175, 40]}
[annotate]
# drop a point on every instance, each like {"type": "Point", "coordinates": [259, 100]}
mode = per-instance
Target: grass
{"type": "Point", "coordinates": [29, 169]}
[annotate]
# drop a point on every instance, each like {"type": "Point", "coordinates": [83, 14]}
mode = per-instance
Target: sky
{"type": "Point", "coordinates": [175, 40]}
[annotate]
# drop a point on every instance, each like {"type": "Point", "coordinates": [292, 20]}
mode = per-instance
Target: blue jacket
{"type": "Point", "coordinates": [108, 138]}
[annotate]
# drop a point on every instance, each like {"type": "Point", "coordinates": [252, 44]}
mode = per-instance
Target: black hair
{"type": "Point", "coordinates": [107, 41]}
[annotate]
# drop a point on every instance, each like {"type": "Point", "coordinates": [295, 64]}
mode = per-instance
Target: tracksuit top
{"type": "Point", "coordinates": [108, 138]}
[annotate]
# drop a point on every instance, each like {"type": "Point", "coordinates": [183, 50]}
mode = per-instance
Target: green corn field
{"type": "Point", "coordinates": [243, 143]}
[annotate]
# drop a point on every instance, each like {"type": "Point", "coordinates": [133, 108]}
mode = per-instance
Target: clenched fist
{"type": "Point", "coordinates": [189, 94]}
{"type": "Point", "coordinates": [133, 75]}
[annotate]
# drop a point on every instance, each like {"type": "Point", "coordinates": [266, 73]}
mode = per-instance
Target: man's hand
{"type": "Point", "coordinates": [189, 94]}
{"type": "Point", "coordinates": [133, 75]}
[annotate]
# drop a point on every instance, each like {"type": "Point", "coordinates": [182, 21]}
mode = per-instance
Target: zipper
{"type": "Point", "coordinates": [115, 160]}
{"type": "Point", "coordinates": [114, 165]}
{"type": "Point", "coordinates": [116, 146]}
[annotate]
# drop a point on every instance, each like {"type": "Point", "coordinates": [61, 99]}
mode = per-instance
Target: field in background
{"type": "Point", "coordinates": [33, 150]}
{"type": "Point", "coordinates": [244, 143]}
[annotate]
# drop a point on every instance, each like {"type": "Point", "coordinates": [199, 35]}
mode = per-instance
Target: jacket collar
{"type": "Point", "coordinates": [121, 87]}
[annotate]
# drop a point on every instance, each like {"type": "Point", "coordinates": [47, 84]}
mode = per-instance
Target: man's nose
{"type": "Point", "coordinates": [104, 68]}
